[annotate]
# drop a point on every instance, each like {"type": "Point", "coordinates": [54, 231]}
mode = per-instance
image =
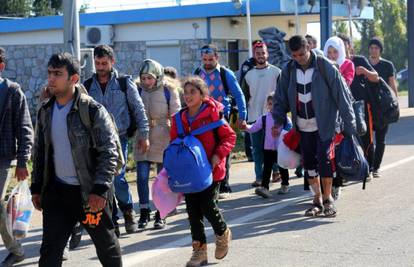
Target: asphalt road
{"type": "Point", "coordinates": [374, 227]}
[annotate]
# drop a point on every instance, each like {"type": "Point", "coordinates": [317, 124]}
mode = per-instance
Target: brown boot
{"type": "Point", "coordinates": [199, 256]}
{"type": "Point", "coordinates": [222, 244]}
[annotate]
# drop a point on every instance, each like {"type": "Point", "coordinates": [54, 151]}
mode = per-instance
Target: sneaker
{"type": "Point", "coordinates": [12, 259]}
{"type": "Point", "coordinates": [336, 192]}
{"type": "Point", "coordinates": [224, 195]}
{"type": "Point", "coordinates": [144, 218]}
{"type": "Point", "coordinates": [222, 244]}
{"type": "Point", "coordinates": [76, 236]}
{"type": "Point", "coordinates": [263, 192]}
{"type": "Point", "coordinates": [284, 189]}
{"type": "Point", "coordinates": [158, 222]}
{"type": "Point", "coordinates": [256, 184]}
{"type": "Point", "coordinates": [376, 174]}
{"type": "Point", "coordinates": [65, 255]}
{"type": "Point", "coordinates": [130, 222]}
{"type": "Point", "coordinates": [199, 256]}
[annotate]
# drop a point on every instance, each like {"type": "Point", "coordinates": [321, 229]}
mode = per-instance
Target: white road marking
{"type": "Point", "coordinates": [139, 257]}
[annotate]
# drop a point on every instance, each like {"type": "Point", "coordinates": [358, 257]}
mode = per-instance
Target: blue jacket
{"type": "Point", "coordinates": [115, 101]}
{"type": "Point", "coordinates": [331, 103]}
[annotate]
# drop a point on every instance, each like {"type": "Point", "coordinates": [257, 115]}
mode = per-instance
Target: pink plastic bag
{"type": "Point", "coordinates": [164, 199]}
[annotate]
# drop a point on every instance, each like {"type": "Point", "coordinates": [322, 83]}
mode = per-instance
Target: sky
{"type": "Point", "coordinates": [109, 5]}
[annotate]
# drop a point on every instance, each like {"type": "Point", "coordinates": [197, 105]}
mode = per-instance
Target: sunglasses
{"type": "Point", "coordinates": [208, 51]}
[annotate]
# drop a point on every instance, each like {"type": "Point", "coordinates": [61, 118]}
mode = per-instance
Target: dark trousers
{"type": "Point", "coordinates": [204, 204]}
{"type": "Point", "coordinates": [224, 186]}
{"type": "Point", "coordinates": [62, 209]}
{"type": "Point", "coordinates": [379, 147]}
{"type": "Point", "coordinates": [270, 158]}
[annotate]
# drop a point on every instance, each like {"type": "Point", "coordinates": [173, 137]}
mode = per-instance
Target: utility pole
{"type": "Point", "coordinates": [410, 32]}
{"type": "Point", "coordinates": [71, 36]}
{"type": "Point", "coordinates": [325, 20]}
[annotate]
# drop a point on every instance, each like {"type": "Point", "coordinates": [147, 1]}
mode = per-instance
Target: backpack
{"type": "Point", "coordinates": [186, 161]}
{"type": "Point", "coordinates": [122, 80]}
{"type": "Point", "coordinates": [385, 105]}
{"type": "Point", "coordinates": [86, 121]}
{"type": "Point", "coordinates": [350, 160]}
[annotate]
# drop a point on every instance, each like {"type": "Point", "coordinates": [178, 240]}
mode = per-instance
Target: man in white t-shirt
{"type": "Point", "coordinates": [257, 85]}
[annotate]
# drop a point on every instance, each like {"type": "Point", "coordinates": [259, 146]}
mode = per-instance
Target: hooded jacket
{"type": "Point", "coordinates": [226, 137]}
{"type": "Point", "coordinates": [158, 111]}
{"type": "Point", "coordinates": [346, 67]}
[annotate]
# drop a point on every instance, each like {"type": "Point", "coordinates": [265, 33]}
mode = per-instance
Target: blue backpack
{"type": "Point", "coordinates": [350, 160]}
{"type": "Point", "coordinates": [185, 159]}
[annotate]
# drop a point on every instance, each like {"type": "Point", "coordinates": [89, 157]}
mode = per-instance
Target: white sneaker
{"type": "Point", "coordinates": [263, 192]}
{"type": "Point", "coordinates": [284, 189]}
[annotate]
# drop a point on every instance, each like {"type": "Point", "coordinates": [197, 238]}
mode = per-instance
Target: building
{"type": "Point", "coordinates": [171, 35]}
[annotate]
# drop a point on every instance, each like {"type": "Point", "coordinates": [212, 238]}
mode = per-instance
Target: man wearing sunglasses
{"type": "Point", "coordinates": [223, 86]}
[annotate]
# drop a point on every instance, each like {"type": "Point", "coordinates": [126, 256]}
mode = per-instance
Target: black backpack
{"type": "Point", "coordinates": [385, 105]}
{"type": "Point", "coordinates": [122, 80]}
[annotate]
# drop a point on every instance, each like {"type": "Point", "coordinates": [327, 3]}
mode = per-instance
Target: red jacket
{"type": "Point", "coordinates": [225, 133]}
{"type": "Point", "coordinates": [347, 71]}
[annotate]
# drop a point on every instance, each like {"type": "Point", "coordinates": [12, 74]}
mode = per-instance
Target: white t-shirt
{"type": "Point", "coordinates": [261, 83]}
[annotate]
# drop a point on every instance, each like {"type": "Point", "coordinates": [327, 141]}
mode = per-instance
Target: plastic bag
{"type": "Point", "coordinates": [287, 158]}
{"type": "Point", "coordinates": [164, 199]}
{"type": "Point", "coordinates": [19, 210]}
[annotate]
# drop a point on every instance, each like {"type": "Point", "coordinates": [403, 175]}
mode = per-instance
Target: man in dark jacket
{"type": "Point", "coordinates": [315, 101]}
{"type": "Point", "coordinates": [73, 166]}
{"type": "Point", "coordinates": [16, 140]}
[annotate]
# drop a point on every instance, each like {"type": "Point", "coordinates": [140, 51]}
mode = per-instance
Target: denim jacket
{"type": "Point", "coordinates": [95, 164]}
{"type": "Point", "coordinates": [331, 102]}
{"type": "Point", "coordinates": [115, 101]}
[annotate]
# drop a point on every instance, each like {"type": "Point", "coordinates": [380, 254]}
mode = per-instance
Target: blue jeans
{"type": "Point", "coordinates": [143, 171]}
{"type": "Point", "coordinates": [122, 192]}
{"type": "Point", "coordinates": [257, 151]}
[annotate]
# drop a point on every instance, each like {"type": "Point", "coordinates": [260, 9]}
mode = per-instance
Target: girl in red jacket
{"type": "Point", "coordinates": [201, 110]}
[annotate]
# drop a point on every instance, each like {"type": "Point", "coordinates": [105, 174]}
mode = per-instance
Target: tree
{"type": "Point", "coordinates": [47, 7]}
{"type": "Point", "coordinates": [341, 27]}
{"type": "Point", "coordinates": [390, 25]}
{"type": "Point", "coordinates": [15, 8]}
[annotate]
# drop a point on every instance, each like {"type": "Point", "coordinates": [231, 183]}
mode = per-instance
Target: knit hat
{"type": "Point", "coordinates": [376, 41]}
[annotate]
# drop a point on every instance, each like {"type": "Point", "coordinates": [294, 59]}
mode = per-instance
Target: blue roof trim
{"type": "Point", "coordinates": [258, 7]}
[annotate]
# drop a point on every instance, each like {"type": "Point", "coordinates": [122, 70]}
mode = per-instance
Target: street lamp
{"type": "Point", "coordinates": [238, 4]}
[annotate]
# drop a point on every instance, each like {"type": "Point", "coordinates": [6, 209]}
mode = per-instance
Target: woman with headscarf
{"type": "Point", "coordinates": [335, 50]}
{"type": "Point", "coordinates": [161, 100]}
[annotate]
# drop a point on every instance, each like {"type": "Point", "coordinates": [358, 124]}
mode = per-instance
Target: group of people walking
{"type": "Point", "coordinates": [79, 147]}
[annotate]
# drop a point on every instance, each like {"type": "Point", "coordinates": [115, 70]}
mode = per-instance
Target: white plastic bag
{"type": "Point", "coordinates": [287, 158]}
{"type": "Point", "coordinates": [19, 210]}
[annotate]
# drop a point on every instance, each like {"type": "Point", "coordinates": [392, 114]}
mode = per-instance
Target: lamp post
{"type": "Point", "coordinates": [238, 4]}
{"type": "Point", "coordinates": [71, 38]}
